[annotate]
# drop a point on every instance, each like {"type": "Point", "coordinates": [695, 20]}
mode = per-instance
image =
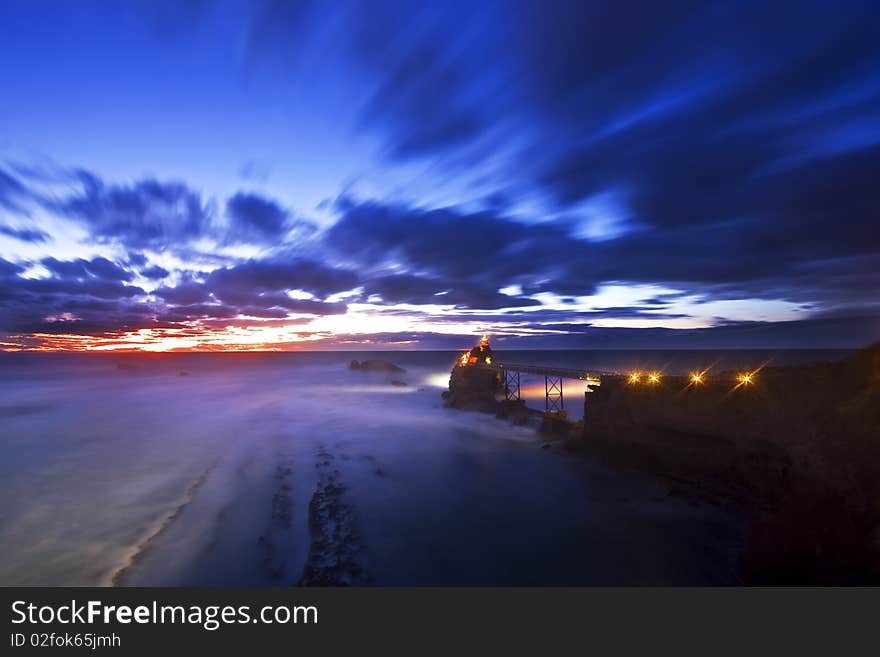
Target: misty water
{"type": "Point", "coordinates": [198, 469]}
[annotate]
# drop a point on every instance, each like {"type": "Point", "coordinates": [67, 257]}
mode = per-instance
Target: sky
{"type": "Point", "coordinates": [180, 175]}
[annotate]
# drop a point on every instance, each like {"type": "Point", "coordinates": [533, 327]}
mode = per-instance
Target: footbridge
{"type": "Point", "coordinates": [554, 397]}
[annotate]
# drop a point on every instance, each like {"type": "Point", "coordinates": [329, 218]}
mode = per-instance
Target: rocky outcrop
{"type": "Point", "coordinates": [374, 365]}
{"type": "Point", "coordinates": [474, 388]}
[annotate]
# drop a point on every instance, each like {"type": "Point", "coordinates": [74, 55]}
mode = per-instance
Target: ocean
{"type": "Point", "coordinates": [288, 468]}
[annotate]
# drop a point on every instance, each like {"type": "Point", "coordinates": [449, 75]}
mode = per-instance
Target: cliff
{"type": "Point", "coordinates": [799, 447]}
{"type": "Point", "coordinates": [818, 418]}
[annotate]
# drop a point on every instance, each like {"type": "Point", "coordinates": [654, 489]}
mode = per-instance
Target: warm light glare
{"type": "Point", "coordinates": [697, 377]}
{"type": "Point", "coordinates": [745, 379]}
{"type": "Point", "coordinates": [634, 377]}
{"type": "Point", "coordinates": [488, 360]}
{"type": "Point", "coordinates": [654, 378]}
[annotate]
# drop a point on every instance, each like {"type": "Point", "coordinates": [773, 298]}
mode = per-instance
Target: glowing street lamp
{"type": "Point", "coordinates": [634, 377]}
{"type": "Point", "coordinates": [697, 378]}
{"type": "Point", "coordinates": [745, 379]}
{"type": "Point", "coordinates": [654, 377]}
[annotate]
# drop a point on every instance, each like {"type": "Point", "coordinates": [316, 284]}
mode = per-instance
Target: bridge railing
{"type": "Point", "coordinates": [553, 377]}
{"type": "Point", "coordinates": [563, 372]}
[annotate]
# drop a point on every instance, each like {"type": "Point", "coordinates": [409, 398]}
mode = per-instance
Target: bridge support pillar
{"type": "Point", "coordinates": [511, 385]}
{"type": "Point", "coordinates": [554, 400]}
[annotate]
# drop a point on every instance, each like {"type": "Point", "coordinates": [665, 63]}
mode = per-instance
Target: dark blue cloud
{"type": "Point", "coordinates": [9, 269]}
{"type": "Point", "coordinates": [255, 277]}
{"type": "Point", "coordinates": [254, 218]}
{"type": "Point", "coordinates": [475, 249]}
{"type": "Point", "coordinates": [155, 272]}
{"type": "Point", "coordinates": [144, 214]}
{"type": "Point", "coordinates": [415, 290]}
{"type": "Point", "coordinates": [137, 259]}
{"type": "Point", "coordinates": [783, 255]}
{"type": "Point", "coordinates": [15, 195]}
{"type": "Point", "coordinates": [33, 235]}
{"type": "Point", "coordinates": [185, 292]}
{"type": "Point", "coordinates": [81, 269]}
{"type": "Point", "coordinates": [259, 288]}
{"type": "Point", "coordinates": [80, 297]}
{"type": "Point", "coordinates": [94, 297]}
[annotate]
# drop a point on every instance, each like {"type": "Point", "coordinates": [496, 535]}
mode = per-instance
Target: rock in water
{"type": "Point", "coordinates": [374, 365]}
{"type": "Point", "coordinates": [473, 389]}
